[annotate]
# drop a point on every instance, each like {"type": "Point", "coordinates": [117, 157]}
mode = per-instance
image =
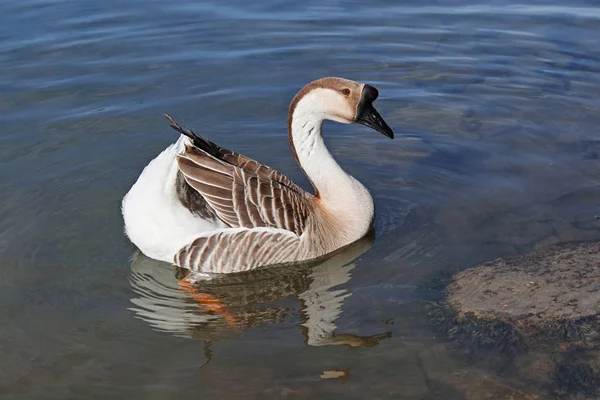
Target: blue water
{"type": "Point", "coordinates": [496, 110]}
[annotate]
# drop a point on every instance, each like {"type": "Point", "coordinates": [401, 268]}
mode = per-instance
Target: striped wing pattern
{"type": "Point", "coordinates": [243, 192]}
{"type": "Point", "coordinates": [266, 212]}
{"type": "Point", "coordinates": [235, 250]}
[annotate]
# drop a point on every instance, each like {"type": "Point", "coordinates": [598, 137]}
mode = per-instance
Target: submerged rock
{"type": "Point", "coordinates": [561, 283]}
{"type": "Point", "coordinates": [535, 315]}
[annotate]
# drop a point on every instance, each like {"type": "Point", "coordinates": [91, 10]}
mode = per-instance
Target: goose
{"type": "Point", "coordinates": [213, 211]}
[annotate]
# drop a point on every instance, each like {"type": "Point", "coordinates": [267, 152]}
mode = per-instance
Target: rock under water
{"type": "Point", "coordinates": [536, 316]}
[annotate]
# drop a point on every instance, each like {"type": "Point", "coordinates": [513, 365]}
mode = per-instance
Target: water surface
{"type": "Point", "coordinates": [496, 110]}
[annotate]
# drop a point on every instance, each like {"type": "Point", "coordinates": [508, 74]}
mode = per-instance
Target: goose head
{"type": "Point", "coordinates": [340, 100]}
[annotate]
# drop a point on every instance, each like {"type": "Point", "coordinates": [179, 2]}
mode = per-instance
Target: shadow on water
{"type": "Point", "coordinates": [226, 305]}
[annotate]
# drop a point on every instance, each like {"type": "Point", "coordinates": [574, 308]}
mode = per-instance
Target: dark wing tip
{"type": "Point", "coordinates": [189, 133]}
{"type": "Point", "coordinates": [198, 141]}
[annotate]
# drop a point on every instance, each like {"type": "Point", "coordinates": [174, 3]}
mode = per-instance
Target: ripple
{"type": "Point", "coordinates": [496, 111]}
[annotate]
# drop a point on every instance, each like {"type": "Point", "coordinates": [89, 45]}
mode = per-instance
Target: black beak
{"type": "Point", "coordinates": [367, 115]}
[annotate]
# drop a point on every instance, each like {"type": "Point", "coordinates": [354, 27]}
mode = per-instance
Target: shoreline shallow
{"type": "Point", "coordinates": [536, 315]}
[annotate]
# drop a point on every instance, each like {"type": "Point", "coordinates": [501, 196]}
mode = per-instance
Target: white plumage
{"type": "Point", "coordinates": [212, 210]}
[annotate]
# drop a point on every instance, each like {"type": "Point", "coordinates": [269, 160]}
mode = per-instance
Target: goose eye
{"type": "Point", "coordinates": [346, 92]}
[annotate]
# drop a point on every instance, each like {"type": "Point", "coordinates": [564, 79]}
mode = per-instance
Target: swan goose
{"type": "Point", "coordinates": [211, 210]}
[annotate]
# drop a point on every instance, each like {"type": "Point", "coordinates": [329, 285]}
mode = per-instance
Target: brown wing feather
{"type": "Point", "coordinates": [242, 192]}
{"type": "Point", "coordinates": [228, 252]}
{"type": "Point", "coordinates": [237, 160]}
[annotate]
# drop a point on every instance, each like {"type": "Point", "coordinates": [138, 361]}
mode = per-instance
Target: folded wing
{"type": "Point", "coordinates": [238, 249]}
{"type": "Point", "coordinates": [242, 192]}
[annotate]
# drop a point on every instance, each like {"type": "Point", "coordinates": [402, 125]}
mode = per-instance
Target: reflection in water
{"type": "Point", "coordinates": [226, 305]}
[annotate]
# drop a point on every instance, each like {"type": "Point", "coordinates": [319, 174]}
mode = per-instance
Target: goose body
{"type": "Point", "coordinates": [212, 210]}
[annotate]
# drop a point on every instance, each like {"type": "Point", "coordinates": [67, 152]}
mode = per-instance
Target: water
{"type": "Point", "coordinates": [495, 106]}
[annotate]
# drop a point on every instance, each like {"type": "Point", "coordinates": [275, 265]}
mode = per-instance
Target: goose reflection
{"type": "Point", "coordinates": [228, 304]}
